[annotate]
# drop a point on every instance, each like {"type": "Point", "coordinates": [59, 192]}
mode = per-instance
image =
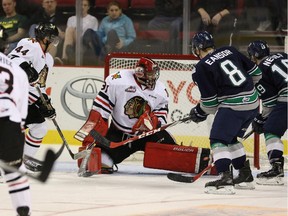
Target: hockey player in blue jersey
{"type": "Point", "coordinates": [225, 79]}
{"type": "Point", "coordinates": [273, 90]}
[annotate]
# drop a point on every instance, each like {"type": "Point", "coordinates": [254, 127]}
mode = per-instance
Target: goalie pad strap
{"type": "Point", "coordinates": [177, 158]}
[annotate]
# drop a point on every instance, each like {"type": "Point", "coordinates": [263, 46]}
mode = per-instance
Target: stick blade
{"type": "Point", "coordinates": [180, 178]}
{"type": "Point", "coordinates": [47, 165]}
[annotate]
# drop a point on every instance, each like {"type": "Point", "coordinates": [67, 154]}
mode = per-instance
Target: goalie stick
{"type": "Point", "coordinates": [100, 139]}
{"type": "Point", "coordinates": [75, 156]}
{"type": "Point", "coordinates": [190, 179]}
{"type": "Point", "coordinates": [82, 172]}
{"type": "Point", "coordinates": [48, 163]}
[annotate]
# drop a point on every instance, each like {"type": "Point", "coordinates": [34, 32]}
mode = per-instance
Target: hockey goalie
{"type": "Point", "coordinates": [136, 102]}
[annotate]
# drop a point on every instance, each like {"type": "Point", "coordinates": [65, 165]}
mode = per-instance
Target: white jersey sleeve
{"type": "Point", "coordinates": [13, 91]}
{"type": "Point", "coordinates": [125, 100]}
{"type": "Point", "coordinates": [29, 50]}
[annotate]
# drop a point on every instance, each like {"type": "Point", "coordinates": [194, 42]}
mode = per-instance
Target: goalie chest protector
{"type": "Point", "coordinates": [177, 158]}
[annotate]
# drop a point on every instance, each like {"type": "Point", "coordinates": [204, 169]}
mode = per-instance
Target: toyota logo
{"type": "Point", "coordinates": [83, 88]}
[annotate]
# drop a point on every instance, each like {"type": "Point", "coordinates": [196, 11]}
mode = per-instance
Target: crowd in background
{"type": "Point", "coordinates": [117, 30]}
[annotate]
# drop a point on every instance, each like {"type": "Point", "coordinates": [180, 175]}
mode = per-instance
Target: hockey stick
{"type": "Point", "coordinates": [247, 135]}
{"type": "Point", "coordinates": [73, 156]}
{"type": "Point", "coordinates": [48, 163]}
{"type": "Point", "coordinates": [100, 139]}
{"type": "Point", "coordinates": [82, 172]}
{"type": "Point", "coordinates": [190, 179]}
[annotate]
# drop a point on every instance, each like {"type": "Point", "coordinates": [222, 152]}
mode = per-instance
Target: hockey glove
{"type": "Point", "coordinates": [258, 124]}
{"type": "Point", "coordinates": [197, 114]}
{"type": "Point", "coordinates": [146, 122]}
{"type": "Point", "coordinates": [46, 110]}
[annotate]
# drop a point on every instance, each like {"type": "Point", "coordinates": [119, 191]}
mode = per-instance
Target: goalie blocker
{"type": "Point", "coordinates": [177, 158]}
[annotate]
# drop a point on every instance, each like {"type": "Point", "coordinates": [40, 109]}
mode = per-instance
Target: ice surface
{"type": "Point", "coordinates": [138, 191]}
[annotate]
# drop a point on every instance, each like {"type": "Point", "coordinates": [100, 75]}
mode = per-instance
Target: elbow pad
{"type": "Point", "coordinates": [32, 74]}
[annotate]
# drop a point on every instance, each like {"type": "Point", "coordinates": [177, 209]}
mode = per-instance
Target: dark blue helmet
{"type": "Point", "coordinates": [201, 41]}
{"type": "Point", "coordinates": [259, 49]}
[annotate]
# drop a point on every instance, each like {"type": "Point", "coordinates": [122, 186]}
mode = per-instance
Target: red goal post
{"type": "Point", "coordinates": [175, 73]}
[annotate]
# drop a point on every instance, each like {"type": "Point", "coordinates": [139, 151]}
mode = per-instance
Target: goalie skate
{"type": "Point", "coordinates": [224, 185]}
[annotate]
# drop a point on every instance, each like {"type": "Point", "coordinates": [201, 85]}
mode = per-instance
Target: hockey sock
{"type": "Point", "coordinates": [19, 189]}
{"type": "Point", "coordinates": [32, 144]}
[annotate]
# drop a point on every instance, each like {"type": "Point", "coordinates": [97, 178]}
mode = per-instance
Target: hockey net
{"type": "Point", "coordinates": [175, 73]}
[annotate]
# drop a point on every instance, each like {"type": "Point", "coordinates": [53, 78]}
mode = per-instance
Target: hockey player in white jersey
{"type": "Point", "coordinates": [34, 53]}
{"type": "Point", "coordinates": [13, 111]}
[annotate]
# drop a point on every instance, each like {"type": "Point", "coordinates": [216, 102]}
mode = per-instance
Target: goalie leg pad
{"type": "Point", "coordinates": [94, 121]}
{"type": "Point", "coordinates": [177, 158]}
{"type": "Point", "coordinates": [94, 163]}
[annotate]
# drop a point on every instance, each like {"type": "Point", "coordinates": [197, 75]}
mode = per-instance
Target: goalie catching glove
{"type": "Point", "coordinates": [146, 122]}
{"type": "Point", "coordinates": [197, 114]}
{"type": "Point", "coordinates": [46, 110]}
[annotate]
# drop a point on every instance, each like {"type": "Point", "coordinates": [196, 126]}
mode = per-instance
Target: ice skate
{"type": "Point", "coordinates": [245, 179]}
{"type": "Point", "coordinates": [23, 211]}
{"type": "Point", "coordinates": [224, 185]}
{"type": "Point", "coordinates": [275, 176]}
{"type": "Point", "coordinates": [32, 165]}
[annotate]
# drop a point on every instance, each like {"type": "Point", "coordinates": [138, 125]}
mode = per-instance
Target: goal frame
{"type": "Point", "coordinates": [256, 143]}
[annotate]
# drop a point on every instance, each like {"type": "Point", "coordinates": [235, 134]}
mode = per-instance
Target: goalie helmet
{"type": "Point", "coordinates": [147, 72]}
{"type": "Point", "coordinates": [201, 41]}
{"type": "Point", "coordinates": [49, 31]}
{"type": "Point", "coordinates": [258, 49]}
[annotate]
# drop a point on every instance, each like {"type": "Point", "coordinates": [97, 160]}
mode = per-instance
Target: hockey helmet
{"type": "Point", "coordinates": [147, 72]}
{"type": "Point", "coordinates": [258, 49]}
{"type": "Point", "coordinates": [201, 41]}
{"type": "Point", "coordinates": [49, 31]}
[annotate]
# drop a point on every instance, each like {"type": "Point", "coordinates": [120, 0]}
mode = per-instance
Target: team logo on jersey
{"type": "Point", "coordinates": [135, 107]}
{"type": "Point", "coordinates": [130, 89]}
{"type": "Point", "coordinates": [116, 76]}
{"type": "Point", "coordinates": [246, 99]}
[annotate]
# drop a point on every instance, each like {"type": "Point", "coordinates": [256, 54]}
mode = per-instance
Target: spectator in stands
{"type": "Point", "coordinates": [88, 22]}
{"type": "Point", "coordinates": [272, 15]}
{"type": "Point", "coordinates": [14, 23]}
{"type": "Point", "coordinates": [218, 18]}
{"type": "Point", "coordinates": [116, 33]}
{"type": "Point", "coordinates": [49, 13]}
{"type": "Point", "coordinates": [169, 17]}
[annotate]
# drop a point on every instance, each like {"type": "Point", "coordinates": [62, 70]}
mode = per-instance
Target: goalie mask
{"type": "Point", "coordinates": [47, 31]}
{"type": "Point", "coordinates": [201, 41]}
{"type": "Point", "coordinates": [258, 49]}
{"type": "Point", "coordinates": [147, 72]}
